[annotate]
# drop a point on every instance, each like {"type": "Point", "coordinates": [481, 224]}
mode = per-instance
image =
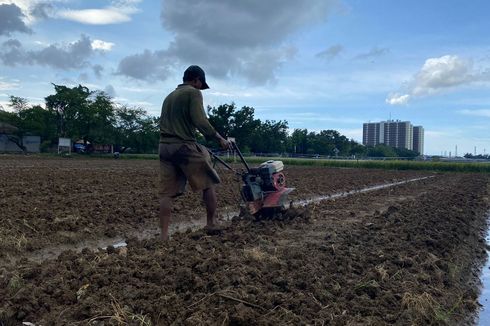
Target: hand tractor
{"type": "Point", "coordinates": [264, 187]}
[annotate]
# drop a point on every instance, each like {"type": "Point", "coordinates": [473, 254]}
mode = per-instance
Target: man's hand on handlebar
{"type": "Point", "coordinates": [224, 143]}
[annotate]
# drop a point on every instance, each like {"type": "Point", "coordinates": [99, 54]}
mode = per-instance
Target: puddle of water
{"type": "Point", "coordinates": [226, 214]}
{"type": "Point", "coordinates": [150, 232]}
{"type": "Point", "coordinates": [484, 299]}
{"type": "Point", "coordinates": [353, 192]}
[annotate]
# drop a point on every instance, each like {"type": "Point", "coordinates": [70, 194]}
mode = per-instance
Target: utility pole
{"type": "Point", "coordinates": [474, 152]}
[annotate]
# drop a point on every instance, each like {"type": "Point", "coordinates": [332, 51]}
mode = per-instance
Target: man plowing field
{"type": "Point", "coordinates": [182, 159]}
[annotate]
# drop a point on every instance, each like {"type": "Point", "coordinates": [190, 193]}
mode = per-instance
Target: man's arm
{"type": "Point", "coordinates": [225, 144]}
{"type": "Point", "coordinates": [200, 120]}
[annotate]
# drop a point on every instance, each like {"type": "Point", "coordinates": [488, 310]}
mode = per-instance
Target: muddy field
{"type": "Point", "coordinates": [405, 255]}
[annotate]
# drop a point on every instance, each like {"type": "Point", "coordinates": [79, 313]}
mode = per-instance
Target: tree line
{"type": "Point", "coordinates": [93, 116]}
{"type": "Point", "coordinates": [81, 114]}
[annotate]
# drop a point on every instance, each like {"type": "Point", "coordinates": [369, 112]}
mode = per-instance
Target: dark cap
{"type": "Point", "coordinates": [195, 72]}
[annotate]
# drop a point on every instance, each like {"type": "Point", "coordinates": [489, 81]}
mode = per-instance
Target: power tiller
{"type": "Point", "coordinates": [264, 187]}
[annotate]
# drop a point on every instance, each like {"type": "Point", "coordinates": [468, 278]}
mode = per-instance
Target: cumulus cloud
{"type": "Point", "coordinates": [12, 53]}
{"type": "Point", "coordinates": [249, 39]}
{"type": "Point", "coordinates": [118, 12]}
{"type": "Point", "coordinates": [11, 20]}
{"type": "Point", "coordinates": [398, 99]}
{"type": "Point", "coordinates": [33, 10]}
{"type": "Point", "coordinates": [149, 65]}
{"type": "Point", "coordinates": [438, 75]}
{"type": "Point", "coordinates": [41, 10]}
{"type": "Point", "coordinates": [60, 56]}
{"type": "Point", "coordinates": [330, 53]}
{"type": "Point", "coordinates": [102, 45]}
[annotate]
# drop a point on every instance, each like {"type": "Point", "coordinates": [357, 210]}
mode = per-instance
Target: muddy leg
{"type": "Point", "coordinates": [210, 200]}
{"type": "Point", "coordinates": [165, 210]}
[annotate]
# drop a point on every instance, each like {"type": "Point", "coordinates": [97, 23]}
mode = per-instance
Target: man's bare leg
{"type": "Point", "coordinates": [165, 210]}
{"type": "Point", "coordinates": [211, 202]}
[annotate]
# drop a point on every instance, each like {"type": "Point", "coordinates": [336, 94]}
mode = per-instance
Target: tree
{"type": "Point", "coordinates": [68, 104]}
{"type": "Point", "coordinates": [270, 137]}
{"type": "Point", "coordinates": [136, 130]}
{"type": "Point", "coordinates": [18, 103]}
{"type": "Point", "coordinates": [230, 122]}
{"type": "Point", "coordinates": [381, 150]}
{"type": "Point", "coordinates": [221, 118]}
{"type": "Point", "coordinates": [38, 121]}
{"type": "Point", "coordinates": [96, 120]}
{"type": "Point", "coordinates": [299, 141]}
{"type": "Point", "coordinates": [9, 117]}
{"type": "Point", "coordinates": [407, 153]}
{"type": "Point", "coordinates": [244, 126]}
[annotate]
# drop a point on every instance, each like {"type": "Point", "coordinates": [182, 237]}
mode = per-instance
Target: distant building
{"type": "Point", "coordinates": [31, 143]}
{"type": "Point", "coordinates": [418, 139]}
{"type": "Point", "coordinates": [394, 133]}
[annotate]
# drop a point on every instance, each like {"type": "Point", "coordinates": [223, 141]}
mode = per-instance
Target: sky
{"type": "Point", "coordinates": [318, 64]}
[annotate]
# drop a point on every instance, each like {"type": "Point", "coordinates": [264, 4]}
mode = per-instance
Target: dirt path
{"type": "Point", "coordinates": [404, 255]}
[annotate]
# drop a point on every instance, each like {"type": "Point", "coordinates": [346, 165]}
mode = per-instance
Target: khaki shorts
{"type": "Point", "coordinates": [182, 163]}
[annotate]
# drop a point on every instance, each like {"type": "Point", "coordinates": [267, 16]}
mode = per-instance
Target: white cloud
{"type": "Point", "coordinates": [398, 99]}
{"type": "Point", "coordinates": [438, 75]}
{"type": "Point", "coordinates": [477, 113]}
{"type": "Point", "coordinates": [33, 10]}
{"type": "Point", "coordinates": [102, 45]}
{"type": "Point", "coordinates": [4, 85]}
{"type": "Point", "coordinates": [119, 12]}
{"type": "Point", "coordinates": [95, 16]}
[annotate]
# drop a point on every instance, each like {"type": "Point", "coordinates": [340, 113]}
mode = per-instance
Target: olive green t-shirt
{"type": "Point", "coordinates": [182, 114]}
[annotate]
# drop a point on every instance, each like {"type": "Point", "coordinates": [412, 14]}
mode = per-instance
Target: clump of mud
{"type": "Point", "coordinates": [293, 213]}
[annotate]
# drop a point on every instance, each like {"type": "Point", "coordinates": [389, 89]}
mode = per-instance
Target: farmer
{"type": "Point", "coordinates": [182, 159]}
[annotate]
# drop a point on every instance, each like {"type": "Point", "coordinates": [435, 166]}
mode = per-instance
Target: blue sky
{"type": "Point", "coordinates": [319, 64]}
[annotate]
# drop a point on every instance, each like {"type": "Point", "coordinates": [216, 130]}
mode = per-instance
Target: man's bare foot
{"type": "Point", "coordinates": [211, 223]}
{"type": "Point", "coordinates": [163, 237]}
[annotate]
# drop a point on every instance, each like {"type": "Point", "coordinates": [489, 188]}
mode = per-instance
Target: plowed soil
{"type": "Point", "coordinates": [402, 255]}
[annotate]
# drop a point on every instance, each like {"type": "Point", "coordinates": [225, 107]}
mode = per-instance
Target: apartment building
{"type": "Point", "coordinates": [418, 139]}
{"type": "Point", "coordinates": [395, 133]}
